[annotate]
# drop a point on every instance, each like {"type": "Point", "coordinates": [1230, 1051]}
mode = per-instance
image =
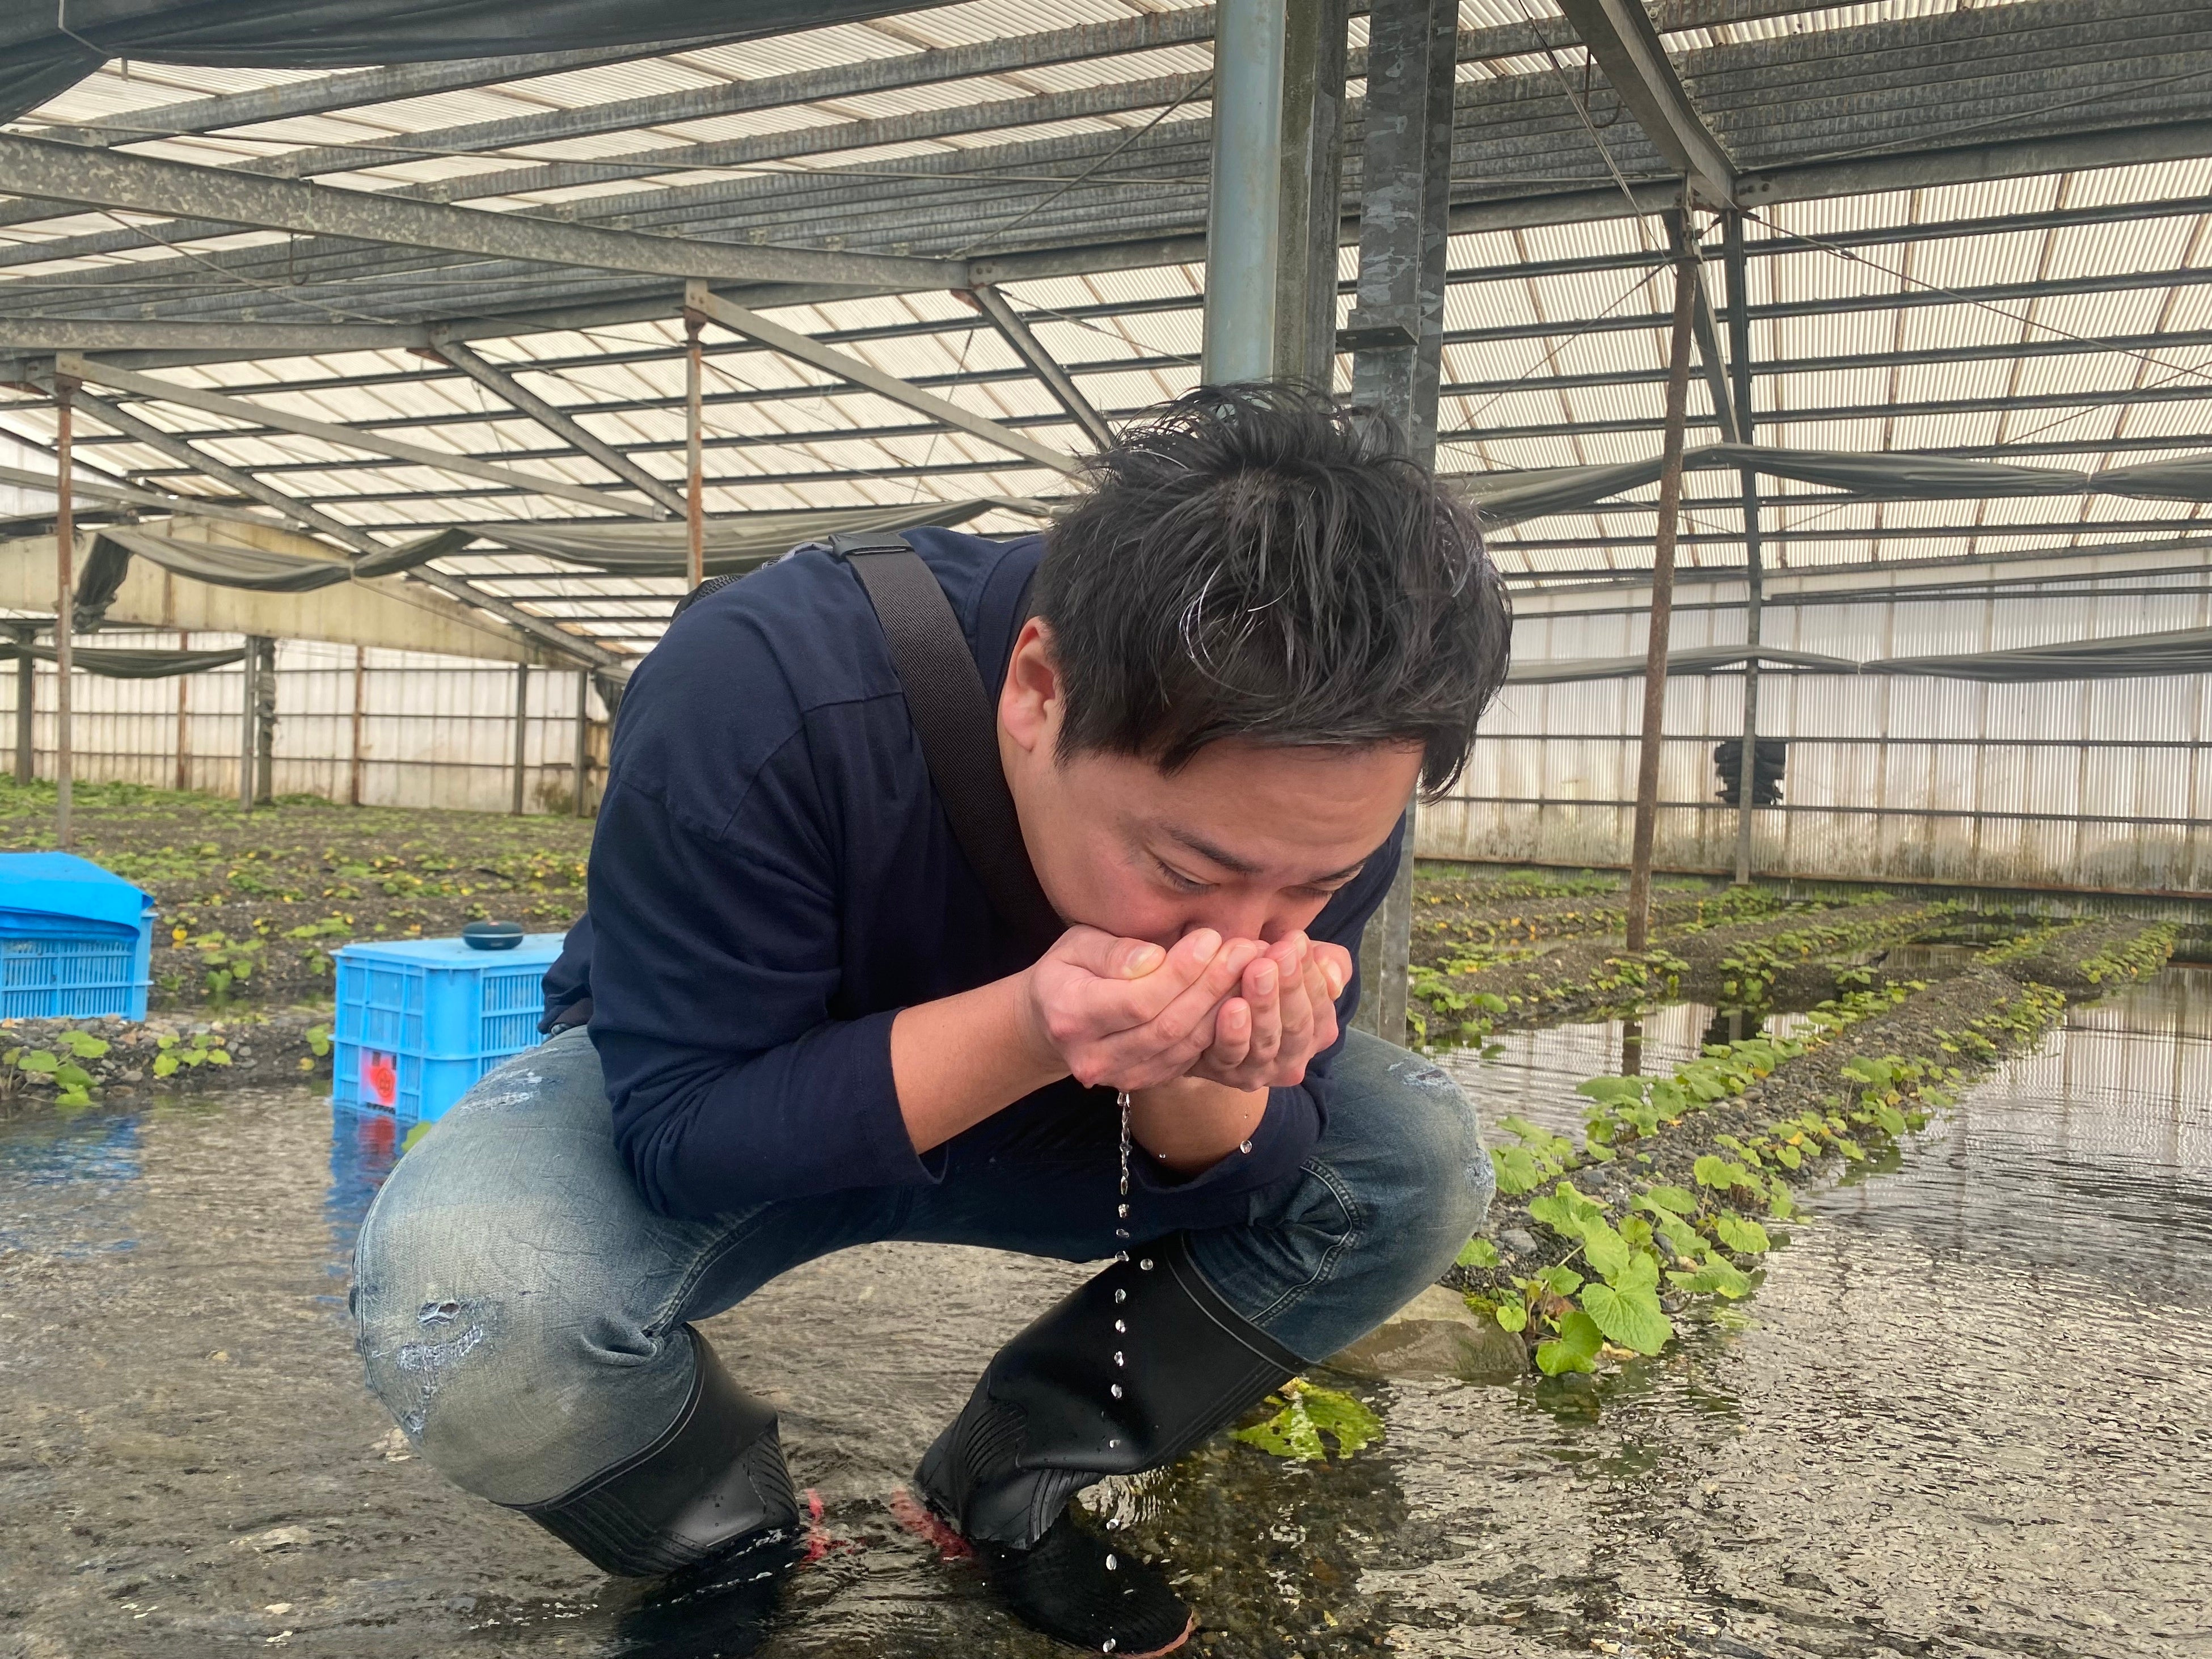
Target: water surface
{"type": "Point", "coordinates": [1967, 1414]}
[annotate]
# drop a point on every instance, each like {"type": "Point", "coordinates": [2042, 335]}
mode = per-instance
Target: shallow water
{"type": "Point", "coordinates": [1967, 1414]}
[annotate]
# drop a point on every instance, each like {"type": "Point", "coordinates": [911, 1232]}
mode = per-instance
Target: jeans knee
{"type": "Point", "coordinates": [1435, 1180]}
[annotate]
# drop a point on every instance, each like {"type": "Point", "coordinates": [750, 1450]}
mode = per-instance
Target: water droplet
{"type": "Point", "coordinates": [1112, 1565]}
{"type": "Point", "coordinates": [1107, 1646]}
{"type": "Point", "coordinates": [1118, 1358]}
{"type": "Point", "coordinates": [1123, 1212]}
{"type": "Point", "coordinates": [1120, 1296]}
{"type": "Point", "coordinates": [1244, 1146]}
{"type": "Point", "coordinates": [1110, 1444]}
{"type": "Point", "coordinates": [1115, 1391]}
{"type": "Point", "coordinates": [1145, 1264]}
{"type": "Point", "coordinates": [1122, 1326]}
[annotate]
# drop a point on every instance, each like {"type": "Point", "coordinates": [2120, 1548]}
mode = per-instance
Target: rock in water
{"type": "Point", "coordinates": [1436, 1335]}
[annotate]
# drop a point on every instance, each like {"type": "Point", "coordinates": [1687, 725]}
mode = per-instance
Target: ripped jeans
{"type": "Point", "coordinates": [521, 1311]}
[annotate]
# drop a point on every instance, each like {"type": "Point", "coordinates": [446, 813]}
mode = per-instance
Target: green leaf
{"type": "Point", "coordinates": [319, 1040]}
{"type": "Point", "coordinates": [37, 1060]}
{"type": "Point", "coordinates": [1632, 1318]}
{"type": "Point", "coordinates": [1565, 1211]}
{"type": "Point", "coordinates": [1574, 1349]}
{"type": "Point", "coordinates": [1607, 1250]}
{"type": "Point", "coordinates": [1667, 1197]}
{"type": "Point", "coordinates": [1342, 1418]}
{"type": "Point", "coordinates": [1512, 1315]}
{"type": "Point", "coordinates": [1711, 1171]}
{"type": "Point", "coordinates": [84, 1045]}
{"type": "Point", "coordinates": [1306, 1413]}
{"type": "Point", "coordinates": [1716, 1277]}
{"type": "Point", "coordinates": [1516, 1170]}
{"type": "Point", "coordinates": [1739, 1234]}
{"type": "Point", "coordinates": [73, 1075]}
{"type": "Point", "coordinates": [1478, 1252]}
{"type": "Point", "coordinates": [1613, 1091]}
{"type": "Point", "coordinates": [217, 1057]}
{"type": "Point", "coordinates": [1560, 1280]}
{"type": "Point", "coordinates": [165, 1065]}
{"type": "Point", "coordinates": [413, 1135]}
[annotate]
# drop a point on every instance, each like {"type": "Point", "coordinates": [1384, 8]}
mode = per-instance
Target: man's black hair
{"type": "Point", "coordinates": [1262, 562]}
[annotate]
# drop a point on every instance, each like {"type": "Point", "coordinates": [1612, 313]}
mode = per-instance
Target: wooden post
{"type": "Point", "coordinates": [248, 667]}
{"type": "Point", "coordinates": [265, 723]}
{"type": "Point", "coordinates": [26, 707]}
{"type": "Point", "coordinates": [1397, 327]}
{"type": "Point", "coordinates": [695, 500]}
{"type": "Point", "coordinates": [521, 727]}
{"type": "Point", "coordinates": [64, 603]}
{"type": "Point", "coordinates": [583, 741]}
{"type": "Point", "coordinates": [184, 720]}
{"type": "Point", "coordinates": [1662, 599]}
{"type": "Point", "coordinates": [1754, 565]}
{"type": "Point", "coordinates": [360, 708]}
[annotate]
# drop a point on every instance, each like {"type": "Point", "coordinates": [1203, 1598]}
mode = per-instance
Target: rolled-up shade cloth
{"type": "Point", "coordinates": [2125, 656]}
{"type": "Point", "coordinates": [46, 48]}
{"type": "Point", "coordinates": [122, 665]}
{"type": "Point", "coordinates": [733, 545]}
{"type": "Point", "coordinates": [1509, 497]}
{"type": "Point", "coordinates": [1699, 659]}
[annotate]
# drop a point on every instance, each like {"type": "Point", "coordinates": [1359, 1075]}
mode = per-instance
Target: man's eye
{"type": "Point", "coordinates": [1179, 882]}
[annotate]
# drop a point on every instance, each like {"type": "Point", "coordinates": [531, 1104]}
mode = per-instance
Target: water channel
{"type": "Point", "coordinates": [1967, 1414]}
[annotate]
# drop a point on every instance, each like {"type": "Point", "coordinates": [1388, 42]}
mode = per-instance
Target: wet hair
{"type": "Point", "coordinates": [1262, 562]}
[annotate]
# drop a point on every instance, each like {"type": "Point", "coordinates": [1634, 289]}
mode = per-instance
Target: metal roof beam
{"type": "Point", "coordinates": [70, 173]}
{"type": "Point", "coordinates": [1620, 35]}
{"type": "Point", "coordinates": [299, 512]}
{"type": "Point", "coordinates": [95, 372]}
{"type": "Point", "coordinates": [790, 342]}
{"type": "Point", "coordinates": [1015, 329]}
{"type": "Point", "coordinates": [555, 421]}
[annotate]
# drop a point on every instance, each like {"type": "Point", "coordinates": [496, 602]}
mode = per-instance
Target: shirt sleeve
{"type": "Point", "coordinates": [1292, 1124]}
{"type": "Point", "coordinates": [714, 963]}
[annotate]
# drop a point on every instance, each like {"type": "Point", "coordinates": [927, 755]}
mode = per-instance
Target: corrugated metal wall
{"type": "Point", "coordinates": [433, 731]}
{"type": "Point", "coordinates": [2103, 785]}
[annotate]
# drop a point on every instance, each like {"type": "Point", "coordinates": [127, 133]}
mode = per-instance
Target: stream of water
{"type": "Point", "coordinates": [1968, 1414]}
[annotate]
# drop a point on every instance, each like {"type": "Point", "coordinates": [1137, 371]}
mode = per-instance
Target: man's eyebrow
{"type": "Point", "coordinates": [1245, 866]}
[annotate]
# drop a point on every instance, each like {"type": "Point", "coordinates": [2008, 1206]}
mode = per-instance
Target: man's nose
{"type": "Point", "coordinates": [1232, 919]}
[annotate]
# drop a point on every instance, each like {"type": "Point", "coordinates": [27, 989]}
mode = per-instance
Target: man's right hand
{"type": "Point", "coordinates": [1126, 1014]}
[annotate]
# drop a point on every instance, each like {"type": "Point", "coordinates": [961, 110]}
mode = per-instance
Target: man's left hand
{"type": "Point", "coordinates": [1283, 1014]}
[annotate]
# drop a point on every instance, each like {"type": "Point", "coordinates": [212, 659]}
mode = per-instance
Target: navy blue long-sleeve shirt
{"type": "Point", "coordinates": [773, 878]}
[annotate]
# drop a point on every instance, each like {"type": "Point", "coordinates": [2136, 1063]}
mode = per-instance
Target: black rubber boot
{"type": "Point", "coordinates": [1129, 1372]}
{"type": "Point", "coordinates": [713, 1482]}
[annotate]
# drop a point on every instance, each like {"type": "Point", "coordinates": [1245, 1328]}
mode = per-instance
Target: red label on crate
{"type": "Point", "coordinates": [379, 1075]}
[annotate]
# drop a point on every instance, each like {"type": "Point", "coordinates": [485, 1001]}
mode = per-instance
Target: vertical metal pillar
{"type": "Point", "coordinates": [1663, 596]}
{"type": "Point", "coordinates": [1244, 247]}
{"type": "Point", "coordinates": [695, 499]}
{"type": "Point", "coordinates": [583, 741]}
{"type": "Point", "coordinates": [265, 722]}
{"type": "Point", "coordinates": [522, 730]}
{"type": "Point", "coordinates": [360, 712]}
{"type": "Point", "coordinates": [1397, 331]}
{"type": "Point", "coordinates": [1739, 305]}
{"type": "Point", "coordinates": [250, 668]}
{"type": "Point", "coordinates": [64, 603]}
{"type": "Point", "coordinates": [1312, 190]}
{"type": "Point", "coordinates": [26, 706]}
{"type": "Point", "coordinates": [184, 720]}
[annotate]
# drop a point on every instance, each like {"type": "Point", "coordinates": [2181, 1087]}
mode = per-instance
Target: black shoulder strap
{"type": "Point", "coordinates": [952, 715]}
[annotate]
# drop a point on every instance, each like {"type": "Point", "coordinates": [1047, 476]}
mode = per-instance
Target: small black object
{"type": "Point", "coordinates": [492, 935]}
{"type": "Point", "coordinates": [1076, 1587]}
{"type": "Point", "coordinates": [1768, 759]}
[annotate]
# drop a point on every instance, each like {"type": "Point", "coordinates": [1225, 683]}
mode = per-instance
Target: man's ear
{"type": "Point", "coordinates": [1029, 701]}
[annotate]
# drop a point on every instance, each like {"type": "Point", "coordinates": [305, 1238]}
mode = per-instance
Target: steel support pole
{"type": "Point", "coordinates": [1397, 332]}
{"type": "Point", "coordinates": [583, 740]}
{"type": "Point", "coordinates": [1662, 602]}
{"type": "Point", "coordinates": [250, 669]}
{"type": "Point", "coordinates": [26, 707]}
{"type": "Point", "coordinates": [1739, 305]}
{"type": "Point", "coordinates": [360, 713]}
{"type": "Point", "coordinates": [695, 495]}
{"type": "Point", "coordinates": [265, 722]}
{"type": "Point", "coordinates": [64, 603]}
{"type": "Point", "coordinates": [1315, 49]}
{"type": "Point", "coordinates": [1243, 217]}
{"type": "Point", "coordinates": [521, 730]}
{"type": "Point", "coordinates": [184, 720]}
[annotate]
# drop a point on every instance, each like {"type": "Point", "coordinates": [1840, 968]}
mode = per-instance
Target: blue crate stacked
{"type": "Point", "coordinates": [75, 942]}
{"type": "Point", "coordinates": [420, 1020]}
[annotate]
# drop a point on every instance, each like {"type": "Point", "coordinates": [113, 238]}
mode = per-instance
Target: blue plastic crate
{"type": "Point", "coordinates": [75, 942]}
{"type": "Point", "coordinates": [419, 1021]}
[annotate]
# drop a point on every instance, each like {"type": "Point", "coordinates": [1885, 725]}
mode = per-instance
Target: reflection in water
{"type": "Point", "coordinates": [364, 1146]}
{"type": "Point", "coordinates": [1965, 1414]}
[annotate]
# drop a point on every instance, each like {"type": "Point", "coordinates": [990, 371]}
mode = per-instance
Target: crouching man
{"type": "Point", "coordinates": [804, 1012]}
